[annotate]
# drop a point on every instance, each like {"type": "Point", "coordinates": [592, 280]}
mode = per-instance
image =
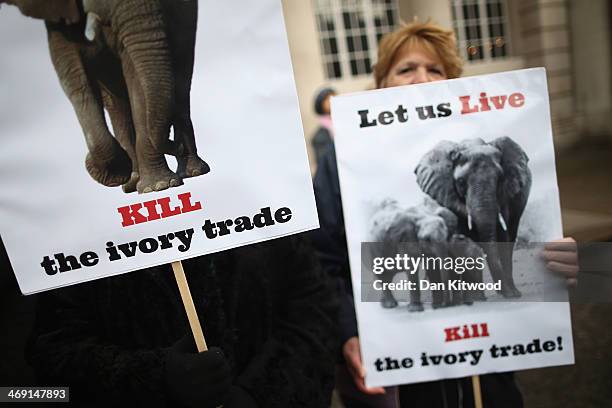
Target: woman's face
{"type": "Point", "coordinates": [414, 65]}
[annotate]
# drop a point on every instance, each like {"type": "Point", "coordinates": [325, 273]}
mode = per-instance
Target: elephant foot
{"type": "Point", "coordinates": [157, 181]}
{"type": "Point", "coordinates": [110, 173]}
{"type": "Point", "coordinates": [192, 166]}
{"type": "Point", "coordinates": [510, 292]}
{"type": "Point", "coordinates": [388, 303]}
{"type": "Point", "coordinates": [439, 305]}
{"type": "Point", "coordinates": [416, 307]}
{"type": "Point", "coordinates": [130, 186]}
{"type": "Point", "coordinates": [479, 296]}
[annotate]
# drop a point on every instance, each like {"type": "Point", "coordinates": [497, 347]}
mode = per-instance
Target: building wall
{"type": "Point", "coordinates": [439, 11]}
{"type": "Point", "coordinates": [571, 38]}
{"type": "Point", "coordinates": [545, 35]}
{"type": "Point", "coordinates": [591, 33]}
{"type": "Point", "coordinates": [306, 60]}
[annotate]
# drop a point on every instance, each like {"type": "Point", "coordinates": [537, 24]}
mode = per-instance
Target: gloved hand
{"type": "Point", "coordinates": [198, 380]}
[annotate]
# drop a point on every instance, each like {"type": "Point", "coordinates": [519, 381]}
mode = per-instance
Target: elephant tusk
{"type": "Point", "coordinates": [502, 221]}
{"type": "Point", "coordinates": [469, 221]}
{"type": "Point", "coordinates": [92, 26]}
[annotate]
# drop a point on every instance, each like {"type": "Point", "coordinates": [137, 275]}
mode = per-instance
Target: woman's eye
{"type": "Point", "coordinates": [435, 71]}
{"type": "Point", "coordinates": [406, 70]}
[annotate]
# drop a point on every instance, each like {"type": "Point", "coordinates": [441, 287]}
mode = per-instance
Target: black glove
{"type": "Point", "coordinates": [193, 379]}
{"type": "Point", "coordinates": [239, 398]}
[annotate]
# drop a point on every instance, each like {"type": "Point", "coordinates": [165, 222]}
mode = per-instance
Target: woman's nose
{"type": "Point", "coordinates": [420, 76]}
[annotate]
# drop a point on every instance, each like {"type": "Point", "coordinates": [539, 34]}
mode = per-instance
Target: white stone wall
{"type": "Point", "coordinates": [571, 38]}
{"type": "Point", "coordinates": [591, 35]}
{"type": "Point", "coordinates": [545, 41]}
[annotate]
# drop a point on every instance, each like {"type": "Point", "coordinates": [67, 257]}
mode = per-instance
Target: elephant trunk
{"type": "Point", "coordinates": [483, 214]}
{"type": "Point", "coordinates": [140, 27]}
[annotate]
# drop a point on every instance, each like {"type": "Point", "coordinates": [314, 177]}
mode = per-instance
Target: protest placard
{"type": "Point", "coordinates": [432, 176]}
{"type": "Point", "coordinates": [69, 212]}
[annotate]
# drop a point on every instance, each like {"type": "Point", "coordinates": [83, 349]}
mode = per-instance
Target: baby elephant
{"type": "Point", "coordinates": [426, 231]}
{"type": "Point", "coordinates": [463, 247]}
{"type": "Point", "coordinates": [414, 231]}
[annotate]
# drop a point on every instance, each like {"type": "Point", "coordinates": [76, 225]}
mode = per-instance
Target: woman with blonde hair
{"type": "Point", "coordinates": [413, 54]}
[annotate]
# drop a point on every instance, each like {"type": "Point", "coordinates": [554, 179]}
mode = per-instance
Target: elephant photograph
{"type": "Point", "coordinates": [132, 60]}
{"type": "Point", "coordinates": [426, 230]}
{"type": "Point", "coordinates": [486, 186]}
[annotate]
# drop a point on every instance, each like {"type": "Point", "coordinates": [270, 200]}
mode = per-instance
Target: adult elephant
{"type": "Point", "coordinates": [487, 186]}
{"type": "Point", "coordinates": [133, 58]}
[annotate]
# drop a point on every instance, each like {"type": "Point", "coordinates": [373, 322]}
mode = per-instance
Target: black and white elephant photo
{"type": "Point", "coordinates": [133, 59]}
{"type": "Point", "coordinates": [486, 185]}
{"type": "Point", "coordinates": [426, 230]}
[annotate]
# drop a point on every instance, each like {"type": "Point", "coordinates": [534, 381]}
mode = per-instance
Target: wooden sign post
{"type": "Point", "coordinates": [477, 393]}
{"type": "Point", "coordinates": [192, 315]}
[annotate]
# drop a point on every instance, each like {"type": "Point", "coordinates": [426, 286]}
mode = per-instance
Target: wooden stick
{"type": "Point", "coordinates": [477, 393]}
{"type": "Point", "coordinates": [192, 314]}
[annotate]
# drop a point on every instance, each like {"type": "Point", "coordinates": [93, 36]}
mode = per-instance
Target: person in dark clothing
{"type": "Point", "coordinates": [323, 138]}
{"type": "Point", "coordinates": [416, 53]}
{"type": "Point", "coordinates": [266, 310]}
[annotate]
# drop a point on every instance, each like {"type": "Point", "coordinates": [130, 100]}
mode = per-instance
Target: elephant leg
{"type": "Point", "coordinates": [182, 20]}
{"type": "Point", "coordinates": [439, 298]}
{"type": "Point", "coordinates": [189, 163]}
{"type": "Point", "coordinates": [505, 254]}
{"type": "Point", "coordinates": [415, 304]}
{"type": "Point", "coordinates": [448, 296]}
{"type": "Point", "coordinates": [106, 162]}
{"type": "Point", "coordinates": [478, 295]}
{"type": "Point", "coordinates": [153, 170]}
{"type": "Point", "coordinates": [388, 300]}
{"type": "Point", "coordinates": [118, 109]}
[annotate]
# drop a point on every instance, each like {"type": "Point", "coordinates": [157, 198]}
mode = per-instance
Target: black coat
{"type": "Point", "coordinates": [321, 142]}
{"type": "Point", "coordinates": [330, 239]}
{"type": "Point", "coordinates": [266, 305]}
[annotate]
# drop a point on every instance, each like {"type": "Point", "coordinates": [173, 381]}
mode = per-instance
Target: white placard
{"type": "Point", "coordinates": [247, 124]}
{"type": "Point", "coordinates": [382, 137]}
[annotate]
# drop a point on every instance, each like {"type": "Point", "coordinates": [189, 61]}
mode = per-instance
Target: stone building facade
{"type": "Point", "coordinates": [572, 39]}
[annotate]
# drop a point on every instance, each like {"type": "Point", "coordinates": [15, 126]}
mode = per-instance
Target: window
{"type": "Point", "coordinates": [349, 31]}
{"type": "Point", "coordinates": [481, 27]}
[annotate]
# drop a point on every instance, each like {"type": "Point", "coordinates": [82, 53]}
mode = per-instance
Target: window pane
{"type": "Point", "coordinates": [354, 67]}
{"type": "Point", "coordinates": [390, 17]}
{"type": "Point", "coordinates": [336, 72]}
{"type": "Point", "coordinates": [333, 46]}
{"type": "Point", "coordinates": [361, 22]}
{"type": "Point", "coordinates": [347, 20]}
{"type": "Point", "coordinates": [496, 33]}
{"type": "Point", "coordinates": [368, 66]}
{"type": "Point", "coordinates": [364, 43]}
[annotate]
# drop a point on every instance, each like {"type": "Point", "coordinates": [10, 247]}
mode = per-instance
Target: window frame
{"type": "Point", "coordinates": [336, 9]}
{"type": "Point", "coordinates": [484, 23]}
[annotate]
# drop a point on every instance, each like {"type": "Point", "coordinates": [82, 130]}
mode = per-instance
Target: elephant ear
{"type": "Point", "coordinates": [434, 175]}
{"type": "Point", "coordinates": [514, 162]}
{"type": "Point", "coordinates": [55, 11]}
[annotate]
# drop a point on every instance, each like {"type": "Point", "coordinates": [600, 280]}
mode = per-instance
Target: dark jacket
{"type": "Point", "coordinates": [266, 305]}
{"type": "Point", "coordinates": [321, 142]}
{"type": "Point", "coordinates": [330, 239]}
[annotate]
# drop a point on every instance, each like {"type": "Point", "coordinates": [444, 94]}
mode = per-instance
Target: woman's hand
{"type": "Point", "coordinates": [352, 355]}
{"type": "Point", "coordinates": [561, 257]}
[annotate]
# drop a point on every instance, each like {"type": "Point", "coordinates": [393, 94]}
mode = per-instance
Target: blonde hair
{"type": "Point", "coordinates": [428, 35]}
